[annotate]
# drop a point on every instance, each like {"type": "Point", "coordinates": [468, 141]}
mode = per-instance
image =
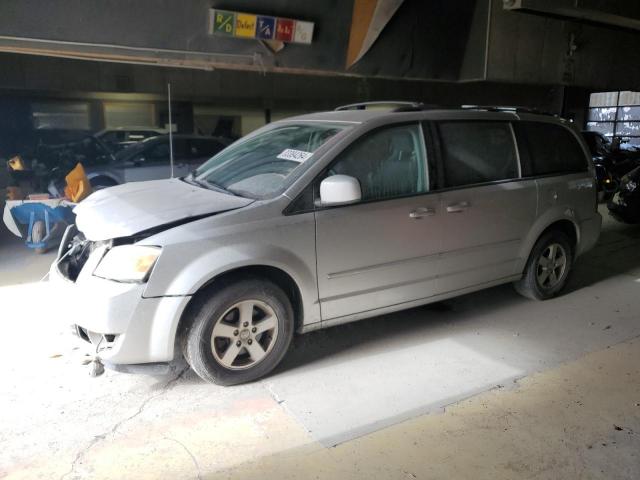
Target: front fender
{"type": "Point", "coordinates": [171, 277]}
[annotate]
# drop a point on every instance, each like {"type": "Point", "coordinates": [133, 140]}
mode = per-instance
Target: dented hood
{"type": "Point", "coordinates": [134, 207]}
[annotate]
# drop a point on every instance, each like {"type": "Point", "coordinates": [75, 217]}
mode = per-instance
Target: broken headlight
{"type": "Point", "coordinates": [128, 263]}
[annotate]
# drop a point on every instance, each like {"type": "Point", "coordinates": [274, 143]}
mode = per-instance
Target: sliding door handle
{"type": "Point", "coordinates": [458, 207]}
{"type": "Point", "coordinates": [422, 212]}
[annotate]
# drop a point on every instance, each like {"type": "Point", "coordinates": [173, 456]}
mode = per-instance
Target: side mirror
{"type": "Point", "coordinates": [339, 190]}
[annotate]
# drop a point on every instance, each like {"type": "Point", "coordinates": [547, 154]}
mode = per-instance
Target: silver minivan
{"type": "Point", "coordinates": [324, 219]}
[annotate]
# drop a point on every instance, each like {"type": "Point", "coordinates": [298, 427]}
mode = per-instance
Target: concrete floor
{"type": "Point", "coordinates": [489, 385]}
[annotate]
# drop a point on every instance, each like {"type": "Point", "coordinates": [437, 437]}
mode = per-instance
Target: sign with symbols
{"type": "Point", "coordinates": [266, 28]}
{"type": "Point", "coordinates": [303, 32]}
{"type": "Point", "coordinates": [260, 27]}
{"type": "Point", "coordinates": [246, 25]}
{"type": "Point", "coordinates": [284, 30]}
{"type": "Point", "coordinates": [223, 23]}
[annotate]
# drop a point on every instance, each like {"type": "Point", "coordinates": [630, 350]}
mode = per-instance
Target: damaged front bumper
{"type": "Point", "coordinates": [123, 326]}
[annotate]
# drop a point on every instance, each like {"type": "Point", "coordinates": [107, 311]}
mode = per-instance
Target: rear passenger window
{"type": "Point", "coordinates": [552, 149]}
{"type": "Point", "coordinates": [477, 152]}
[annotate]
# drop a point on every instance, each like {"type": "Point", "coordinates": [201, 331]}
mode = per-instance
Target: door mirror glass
{"type": "Point", "coordinates": [339, 190]}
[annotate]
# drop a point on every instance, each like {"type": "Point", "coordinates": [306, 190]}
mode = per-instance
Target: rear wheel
{"type": "Point", "coordinates": [548, 267]}
{"type": "Point", "coordinates": [240, 333]}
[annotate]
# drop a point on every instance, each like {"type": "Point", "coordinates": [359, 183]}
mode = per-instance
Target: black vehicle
{"type": "Point", "coordinates": [611, 163]}
{"type": "Point", "coordinates": [625, 204]}
{"type": "Point", "coordinates": [49, 160]}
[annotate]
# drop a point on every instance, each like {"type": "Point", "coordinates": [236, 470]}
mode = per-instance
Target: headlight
{"type": "Point", "coordinates": [127, 263]}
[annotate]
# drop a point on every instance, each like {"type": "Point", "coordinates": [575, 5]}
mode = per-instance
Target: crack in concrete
{"type": "Point", "coordinates": [193, 458]}
{"type": "Point", "coordinates": [98, 438]}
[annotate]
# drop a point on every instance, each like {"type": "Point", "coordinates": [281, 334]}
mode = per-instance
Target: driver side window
{"type": "Point", "coordinates": [388, 163]}
{"type": "Point", "coordinates": [159, 153]}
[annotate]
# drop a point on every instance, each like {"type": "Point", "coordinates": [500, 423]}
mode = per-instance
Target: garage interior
{"type": "Point", "coordinates": [487, 385]}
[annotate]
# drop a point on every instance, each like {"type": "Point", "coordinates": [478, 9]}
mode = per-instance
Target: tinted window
{"type": "Point", "coordinates": [387, 163]}
{"type": "Point", "coordinates": [201, 148]}
{"type": "Point", "coordinates": [159, 153]}
{"type": "Point", "coordinates": [552, 149]}
{"type": "Point", "coordinates": [477, 152]}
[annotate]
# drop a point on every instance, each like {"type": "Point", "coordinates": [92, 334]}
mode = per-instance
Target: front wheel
{"type": "Point", "coordinates": [240, 333]}
{"type": "Point", "coordinates": [548, 267]}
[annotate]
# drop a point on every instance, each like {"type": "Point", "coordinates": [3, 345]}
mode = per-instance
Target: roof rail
{"type": "Point", "coordinates": [400, 105]}
{"type": "Point", "coordinates": [508, 109]}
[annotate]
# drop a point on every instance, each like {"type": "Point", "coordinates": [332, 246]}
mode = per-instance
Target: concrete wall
{"type": "Point", "coordinates": [427, 40]}
{"type": "Point", "coordinates": [530, 48]}
{"type": "Point", "coordinates": [32, 75]}
{"type": "Point", "coordinates": [423, 40]}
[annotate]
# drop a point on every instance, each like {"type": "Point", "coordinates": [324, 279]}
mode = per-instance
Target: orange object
{"type": "Point", "coordinates": [78, 186]}
{"type": "Point", "coordinates": [14, 193]}
{"type": "Point", "coordinates": [16, 163]}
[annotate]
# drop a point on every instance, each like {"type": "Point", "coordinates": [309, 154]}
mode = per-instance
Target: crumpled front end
{"type": "Point", "coordinates": [121, 324]}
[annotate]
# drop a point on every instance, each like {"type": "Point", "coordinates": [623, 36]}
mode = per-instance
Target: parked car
{"type": "Point", "coordinates": [625, 204]}
{"type": "Point", "coordinates": [48, 164]}
{"type": "Point", "coordinates": [120, 137]}
{"type": "Point", "coordinates": [324, 219]}
{"type": "Point", "coordinates": [150, 160]}
{"type": "Point", "coordinates": [611, 162]}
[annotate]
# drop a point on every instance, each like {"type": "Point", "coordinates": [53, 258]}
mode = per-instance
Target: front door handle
{"type": "Point", "coordinates": [458, 207]}
{"type": "Point", "coordinates": [422, 212]}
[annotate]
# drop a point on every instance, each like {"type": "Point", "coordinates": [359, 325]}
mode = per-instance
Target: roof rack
{"type": "Point", "coordinates": [508, 109]}
{"type": "Point", "coordinates": [405, 106]}
{"type": "Point", "coordinates": [401, 106]}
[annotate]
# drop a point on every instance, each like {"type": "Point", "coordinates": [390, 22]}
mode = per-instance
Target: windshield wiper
{"type": "Point", "coordinates": [215, 186]}
{"type": "Point", "coordinates": [191, 179]}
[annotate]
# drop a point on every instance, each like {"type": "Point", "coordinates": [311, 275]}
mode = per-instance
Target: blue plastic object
{"type": "Point", "coordinates": [27, 214]}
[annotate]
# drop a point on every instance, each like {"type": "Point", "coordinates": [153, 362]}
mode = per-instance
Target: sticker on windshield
{"type": "Point", "coordinates": [295, 155]}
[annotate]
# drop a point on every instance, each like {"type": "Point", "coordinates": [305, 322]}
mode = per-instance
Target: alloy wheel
{"type": "Point", "coordinates": [551, 266]}
{"type": "Point", "coordinates": [244, 335]}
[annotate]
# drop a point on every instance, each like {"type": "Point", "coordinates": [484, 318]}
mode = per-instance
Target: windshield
{"type": "Point", "coordinates": [261, 165]}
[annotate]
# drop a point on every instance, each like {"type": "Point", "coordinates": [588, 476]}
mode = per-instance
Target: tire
{"type": "Point", "coordinates": [231, 354]}
{"type": "Point", "coordinates": [38, 232]}
{"type": "Point", "coordinates": [540, 281]}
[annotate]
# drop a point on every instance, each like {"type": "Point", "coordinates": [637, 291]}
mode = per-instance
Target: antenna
{"type": "Point", "coordinates": [170, 128]}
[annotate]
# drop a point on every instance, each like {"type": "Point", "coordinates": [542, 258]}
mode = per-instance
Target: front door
{"type": "Point", "coordinates": [383, 250]}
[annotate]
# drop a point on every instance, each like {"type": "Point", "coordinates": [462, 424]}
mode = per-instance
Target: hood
{"type": "Point", "coordinates": [131, 208]}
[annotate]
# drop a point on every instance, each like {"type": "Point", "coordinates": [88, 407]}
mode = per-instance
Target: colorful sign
{"type": "Point", "coordinates": [223, 22]}
{"type": "Point", "coordinates": [246, 25]}
{"type": "Point", "coordinates": [284, 30]}
{"type": "Point", "coordinates": [260, 27]}
{"type": "Point", "coordinates": [303, 33]}
{"type": "Point", "coordinates": [266, 28]}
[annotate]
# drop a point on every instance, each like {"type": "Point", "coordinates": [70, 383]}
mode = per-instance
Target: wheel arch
{"type": "Point", "coordinates": [268, 272]}
{"type": "Point", "coordinates": [565, 224]}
